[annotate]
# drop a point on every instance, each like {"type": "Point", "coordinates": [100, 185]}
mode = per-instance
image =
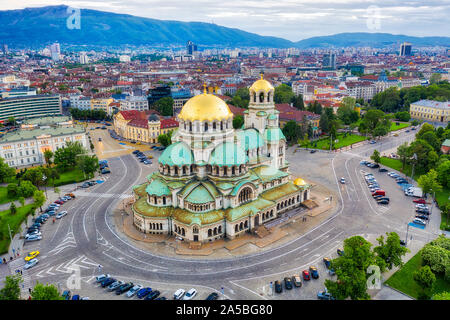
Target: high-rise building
{"type": "Point", "coordinates": [5, 49]}
{"type": "Point", "coordinates": [191, 47]}
{"type": "Point", "coordinates": [329, 60]}
{"type": "Point", "coordinates": [83, 58]}
{"type": "Point", "coordinates": [405, 49]}
{"type": "Point", "coordinates": [55, 51]}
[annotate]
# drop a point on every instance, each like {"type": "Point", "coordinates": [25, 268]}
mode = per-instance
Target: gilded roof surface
{"type": "Point", "coordinates": [205, 107]}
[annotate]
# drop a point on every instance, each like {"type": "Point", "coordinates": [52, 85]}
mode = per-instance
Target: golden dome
{"type": "Point", "coordinates": [205, 107]}
{"type": "Point", "coordinates": [299, 182]}
{"type": "Point", "coordinates": [261, 85]}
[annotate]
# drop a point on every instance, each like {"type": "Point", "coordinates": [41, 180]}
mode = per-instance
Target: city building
{"type": "Point", "coordinates": [139, 103]}
{"type": "Point", "coordinates": [102, 104]}
{"type": "Point", "coordinates": [431, 111]}
{"type": "Point", "coordinates": [216, 182]}
{"type": "Point", "coordinates": [55, 51]}
{"type": "Point", "coordinates": [191, 48]}
{"type": "Point", "coordinates": [80, 102]}
{"type": "Point", "coordinates": [329, 61]}
{"type": "Point", "coordinates": [26, 146]}
{"type": "Point", "coordinates": [84, 58]}
{"type": "Point", "coordinates": [445, 148]}
{"type": "Point", "coordinates": [30, 106]}
{"type": "Point", "coordinates": [405, 49]}
{"type": "Point", "coordinates": [158, 92]}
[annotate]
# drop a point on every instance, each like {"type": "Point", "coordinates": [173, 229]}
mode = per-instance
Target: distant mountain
{"type": "Point", "coordinates": [37, 26]}
{"type": "Point", "coordinates": [365, 39]}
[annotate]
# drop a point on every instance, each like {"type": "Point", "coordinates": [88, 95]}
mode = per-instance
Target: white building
{"type": "Point", "coordinates": [139, 103]}
{"type": "Point", "coordinates": [80, 102]}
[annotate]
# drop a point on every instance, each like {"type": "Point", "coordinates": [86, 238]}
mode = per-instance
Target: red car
{"type": "Point", "coordinates": [419, 201]}
{"type": "Point", "coordinates": [306, 275]}
{"type": "Point", "coordinates": [59, 202]}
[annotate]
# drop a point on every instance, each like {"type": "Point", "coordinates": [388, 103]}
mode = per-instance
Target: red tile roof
{"type": "Point", "coordinates": [169, 123]}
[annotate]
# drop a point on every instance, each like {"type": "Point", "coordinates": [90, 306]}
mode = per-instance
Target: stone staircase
{"type": "Point", "coordinates": [195, 245]}
{"type": "Point", "coordinates": [262, 231]}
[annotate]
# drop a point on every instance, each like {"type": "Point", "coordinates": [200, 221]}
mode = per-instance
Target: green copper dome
{"type": "Point", "coordinates": [177, 154]}
{"type": "Point", "coordinates": [227, 154]}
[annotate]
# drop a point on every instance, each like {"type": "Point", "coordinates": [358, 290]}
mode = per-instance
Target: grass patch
{"type": "Point", "coordinates": [324, 143]}
{"type": "Point", "coordinates": [401, 125]}
{"type": "Point", "coordinates": [4, 196]}
{"type": "Point", "coordinates": [72, 176]}
{"type": "Point", "coordinates": [14, 222]}
{"type": "Point", "coordinates": [403, 281]}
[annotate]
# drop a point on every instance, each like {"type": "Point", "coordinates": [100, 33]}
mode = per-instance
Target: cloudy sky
{"type": "Point", "coordinates": [289, 19]}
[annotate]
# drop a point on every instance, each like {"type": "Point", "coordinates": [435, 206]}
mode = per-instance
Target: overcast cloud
{"type": "Point", "coordinates": [289, 19]}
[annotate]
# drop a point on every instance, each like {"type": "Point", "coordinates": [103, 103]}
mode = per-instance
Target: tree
{"type": "Point", "coordinates": [12, 190]}
{"type": "Point", "coordinates": [324, 123]}
{"type": "Point", "coordinates": [26, 189]}
{"type": "Point", "coordinates": [436, 257]}
{"type": "Point", "coordinates": [87, 164]}
{"type": "Point", "coordinates": [39, 198]}
{"type": "Point", "coordinates": [403, 153]}
{"type": "Point", "coordinates": [238, 121]}
{"type": "Point", "coordinates": [66, 158]}
{"type": "Point", "coordinates": [48, 155]}
{"type": "Point", "coordinates": [12, 121]}
{"type": "Point", "coordinates": [351, 270]}
{"type": "Point", "coordinates": [429, 182]}
{"type": "Point", "coordinates": [241, 98]}
{"type": "Point", "coordinates": [425, 278]}
{"type": "Point", "coordinates": [391, 251]}
{"type": "Point", "coordinates": [22, 201]}
{"type": "Point", "coordinates": [298, 103]}
{"type": "Point", "coordinates": [346, 112]}
{"type": "Point", "coordinates": [11, 289]}
{"type": "Point", "coordinates": [45, 292]}
{"type": "Point", "coordinates": [435, 78]}
{"type": "Point", "coordinates": [388, 100]}
{"type": "Point", "coordinates": [425, 128]}
{"type": "Point", "coordinates": [376, 156]}
{"type": "Point", "coordinates": [12, 208]}
{"type": "Point", "coordinates": [292, 131]}
{"type": "Point", "coordinates": [163, 139]}
{"type": "Point", "coordinates": [445, 295]}
{"type": "Point", "coordinates": [283, 94]}
{"type": "Point", "coordinates": [6, 171]}
{"type": "Point", "coordinates": [165, 106]}
{"type": "Point", "coordinates": [402, 116]}
{"type": "Point", "coordinates": [35, 176]}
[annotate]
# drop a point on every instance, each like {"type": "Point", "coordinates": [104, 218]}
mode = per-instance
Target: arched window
{"type": "Point", "coordinates": [245, 195]}
{"type": "Point", "coordinates": [236, 228]}
{"type": "Point", "coordinates": [268, 97]}
{"type": "Point", "coordinates": [206, 126]}
{"type": "Point", "coordinates": [184, 170]}
{"type": "Point", "coordinates": [261, 97]}
{"type": "Point", "coordinates": [164, 200]}
{"type": "Point", "coordinates": [254, 97]}
{"type": "Point", "coordinates": [195, 229]}
{"type": "Point", "coordinates": [246, 224]}
{"type": "Point", "coordinates": [214, 125]}
{"type": "Point", "coordinates": [190, 126]}
{"type": "Point", "coordinates": [215, 231]}
{"type": "Point", "coordinates": [209, 232]}
{"type": "Point", "coordinates": [241, 226]}
{"type": "Point", "coordinates": [182, 232]}
{"type": "Point", "coordinates": [220, 229]}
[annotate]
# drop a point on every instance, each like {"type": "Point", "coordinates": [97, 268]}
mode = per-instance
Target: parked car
{"type": "Point", "coordinates": [113, 286]}
{"type": "Point", "coordinates": [278, 287]}
{"type": "Point", "coordinates": [31, 264]}
{"type": "Point", "coordinates": [212, 296]}
{"type": "Point", "coordinates": [33, 233]}
{"type": "Point", "coordinates": [134, 290]}
{"type": "Point", "coordinates": [190, 294]}
{"type": "Point", "coordinates": [306, 275]}
{"type": "Point", "coordinates": [422, 217]}
{"type": "Point", "coordinates": [383, 201]}
{"type": "Point", "coordinates": [124, 288]}
{"type": "Point", "coordinates": [422, 201]}
{"type": "Point", "coordinates": [379, 192]}
{"type": "Point", "coordinates": [340, 252]}
{"type": "Point", "coordinates": [66, 294]}
{"type": "Point", "coordinates": [327, 262]}
{"type": "Point", "coordinates": [101, 277]}
{"type": "Point", "coordinates": [105, 171]}
{"type": "Point", "coordinates": [76, 297]}
{"type": "Point", "coordinates": [152, 295]}
{"type": "Point", "coordinates": [419, 221]}
{"type": "Point", "coordinates": [382, 170]}
{"type": "Point", "coordinates": [288, 283]}
{"type": "Point", "coordinates": [143, 292]}
{"type": "Point", "coordinates": [107, 282]}
{"type": "Point", "coordinates": [179, 294]}
{"type": "Point", "coordinates": [314, 272]}
{"type": "Point", "coordinates": [342, 180]}
{"type": "Point", "coordinates": [34, 238]}
{"type": "Point", "coordinates": [313, 151]}
{"type": "Point", "coordinates": [324, 295]}
{"type": "Point", "coordinates": [297, 280]}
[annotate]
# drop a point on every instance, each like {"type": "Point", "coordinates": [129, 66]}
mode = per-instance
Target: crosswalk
{"type": "Point", "coordinates": [18, 264]}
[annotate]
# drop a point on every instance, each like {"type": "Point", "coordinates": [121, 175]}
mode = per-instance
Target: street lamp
{"type": "Point", "coordinates": [414, 163]}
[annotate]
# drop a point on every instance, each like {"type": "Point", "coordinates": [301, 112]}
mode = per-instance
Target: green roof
{"type": "Point", "coordinates": [268, 173]}
{"type": "Point", "coordinates": [224, 185]}
{"type": "Point", "coordinates": [34, 133]}
{"type": "Point", "coordinates": [247, 209]}
{"type": "Point", "coordinates": [261, 113]}
{"type": "Point", "coordinates": [274, 134]}
{"type": "Point", "coordinates": [199, 195]}
{"type": "Point", "coordinates": [204, 218]}
{"type": "Point", "coordinates": [280, 191]}
{"type": "Point", "coordinates": [272, 117]}
{"type": "Point", "coordinates": [250, 139]}
{"type": "Point", "coordinates": [227, 154]}
{"type": "Point", "coordinates": [178, 154]}
{"type": "Point", "coordinates": [142, 207]}
{"type": "Point", "coordinates": [239, 185]}
{"type": "Point", "coordinates": [158, 188]}
{"type": "Point", "coordinates": [140, 190]}
{"type": "Point", "coordinates": [446, 143]}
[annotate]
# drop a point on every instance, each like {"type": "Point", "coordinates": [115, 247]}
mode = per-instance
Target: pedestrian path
{"type": "Point", "coordinates": [102, 195]}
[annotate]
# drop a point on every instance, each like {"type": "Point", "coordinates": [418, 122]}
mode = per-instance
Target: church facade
{"type": "Point", "coordinates": [214, 181]}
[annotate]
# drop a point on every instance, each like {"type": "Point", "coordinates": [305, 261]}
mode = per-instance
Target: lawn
{"type": "Point", "coordinates": [4, 196]}
{"type": "Point", "coordinates": [324, 143]}
{"type": "Point", "coordinates": [72, 176]}
{"type": "Point", "coordinates": [14, 222]}
{"type": "Point", "coordinates": [403, 279]}
{"type": "Point", "coordinates": [401, 125]}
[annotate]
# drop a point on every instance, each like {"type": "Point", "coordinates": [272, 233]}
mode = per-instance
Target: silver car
{"type": "Point", "coordinates": [113, 286]}
{"type": "Point", "coordinates": [31, 263]}
{"type": "Point", "coordinates": [134, 290]}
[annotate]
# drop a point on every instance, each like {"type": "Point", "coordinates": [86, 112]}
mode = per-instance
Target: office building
{"type": "Point", "coordinates": [405, 49]}
{"type": "Point", "coordinates": [55, 51]}
{"type": "Point", "coordinates": [431, 111]}
{"type": "Point", "coordinates": [329, 61]}
{"type": "Point", "coordinates": [191, 48]}
{"type": "Point", "coordinates": [30, 106]}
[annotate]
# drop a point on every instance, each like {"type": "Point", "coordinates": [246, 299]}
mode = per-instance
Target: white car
{"type": "Point", "coordinates": [33, 238]}
{"type": "Point", "coordinates": [343, 180]}
{"type": "Point", "coordinates": [419, 221]}
{"type": "Point", "coordinates": [101, 277]}
{"type": "Point", "coordinates": [134, 290]}
{"type": "Point", "coordinates": [31, 263]}
{"type": "Point", "coordinates": [190, 294]}
{"type": "Point", "coordinates": [179, 294]}
{"type": "Point", "coordinates": [34, 233]}
{"type": "Point", "coordinates": [61, 214]}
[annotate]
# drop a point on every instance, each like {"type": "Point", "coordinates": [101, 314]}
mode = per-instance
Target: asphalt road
{"type": "Point", "coordinates": [86, 237]}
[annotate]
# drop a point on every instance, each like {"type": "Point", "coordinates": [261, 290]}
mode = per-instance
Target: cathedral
{"type": "Point", "coordinates": [215, 181]}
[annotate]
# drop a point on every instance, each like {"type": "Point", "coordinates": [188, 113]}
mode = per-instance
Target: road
{"type": "Point", "coordinates": [86, 237]}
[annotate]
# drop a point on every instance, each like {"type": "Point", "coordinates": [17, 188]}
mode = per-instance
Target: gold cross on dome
{"type": "Point", "coordinates": [204, 88]}
{"type": "Point", "coordinates": [262, 76]}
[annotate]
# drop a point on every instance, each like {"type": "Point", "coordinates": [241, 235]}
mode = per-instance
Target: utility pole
{"type": "Point", "coordinates": [414, 163]}
{"type": "Point", "coordinates": [331, 142]}
{"type": "Point", "coordinates": [407, 228]}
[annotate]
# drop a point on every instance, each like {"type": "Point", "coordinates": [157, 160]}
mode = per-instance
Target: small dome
{"type": "Point", "coordinates": [177, 154]}
{"type": "Point", "coordinates": [299, 182]}
{"type": "Point", "coordinates": [153, 118]}
{"type": "Point", "coordinates": [261, 85]}
{"type": "Point", "coordinates": [227, 154]}
{"type": "Point", "coordinates": [205, 107]}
